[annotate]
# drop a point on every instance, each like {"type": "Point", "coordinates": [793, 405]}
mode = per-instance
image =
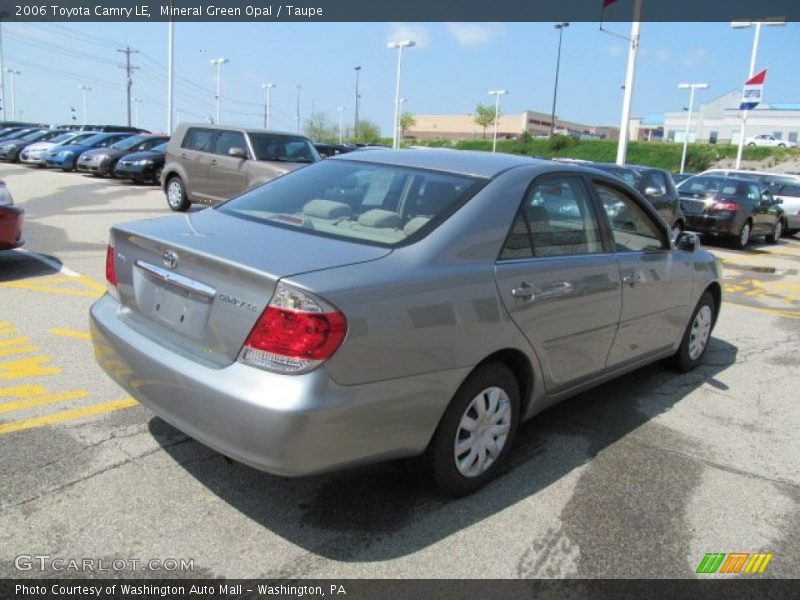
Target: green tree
{"type": "Point", "coordinates": [407, 121]}
{"type": "Point", "coordinates": [320, 128]}
{"type": "Point", "coordinates": [368, 132]}
{"type": "Point", "coordinates": [485, 116]}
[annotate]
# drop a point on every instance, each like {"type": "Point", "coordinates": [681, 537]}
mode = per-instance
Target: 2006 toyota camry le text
{"type": "Point", "coordinates": [385, 304]}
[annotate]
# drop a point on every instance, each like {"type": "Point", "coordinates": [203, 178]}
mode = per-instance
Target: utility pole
{"type": "Point", "coordinates": [355, 124]}
{"type": "Point", "coordinates": [129, 71]}
{"type": "Point", "coordinates": [2, 76]}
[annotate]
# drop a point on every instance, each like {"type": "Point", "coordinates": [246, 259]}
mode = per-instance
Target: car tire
{"type": "Point", "coordinates": [741, 241]}
{"type": "Point", "coordinates": [697, 335]}
{"type": "Point", "coordinates": [176, 195]}
{"type": "Point", "coordinates": [460, 458]}
{"type": "Point", "coordinates": [777, 231]}
{"type": "Point", "coordinates": [751, 145]}
{"type": "Point", "coordinates": [781, 145]}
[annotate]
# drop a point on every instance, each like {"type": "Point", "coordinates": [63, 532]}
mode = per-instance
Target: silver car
{"type": "Point", "coordinates": [385, 304]}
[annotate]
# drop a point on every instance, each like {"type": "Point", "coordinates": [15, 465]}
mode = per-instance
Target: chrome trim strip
{"type": "Point", "coordinates": [178, 280]}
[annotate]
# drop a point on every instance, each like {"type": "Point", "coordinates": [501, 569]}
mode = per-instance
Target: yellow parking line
{"type": "Point", "coordinates": [789, 314]}
{"type": "Point", "coordinates": [27, 367]}
{"type": "Point", "coordinates": [18, 350]}
{"type": "Point", "coordinates": [42, 400]}
{"type": "Point", "coordinates": [67, 415]}
{"type": "Point", "coordinates": [70, 333]}
{"type": "Point", "coordinates": [14, 342]}
{"type": "Point", "coordinates": [23, 391]}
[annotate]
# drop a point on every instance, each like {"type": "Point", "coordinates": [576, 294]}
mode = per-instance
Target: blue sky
{"type": "Point", "coordinates": [450, 71]}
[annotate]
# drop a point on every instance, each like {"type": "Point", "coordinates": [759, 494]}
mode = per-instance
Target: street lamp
{"type": "Point", "coordinates": [399, 46]}
{"type": "Point", "coordinates": [267, 87]}
{"type": "Point", "coordinates": [13, 72]}
{"type": "Point", "coordinates": [218, 62]}
{"type": "Point", "coordinates": [561, 27]}
{"type": "Point", "coordinates": [496, 94]}
{"type": "Point", "coordinates": [84, 89]}
{"type": "Point", "coordinates": [355, 124]}
{"type": "Point", "coordinates": [692, 87]}
{"type": "Point", "coordinates": [744, 25]}
{"type": "Point", "coordinates": [297, 114]}
{"type": "Point", "coordinates": [136, 103]}
{"type": "Point", "coordinates": [341, 124]}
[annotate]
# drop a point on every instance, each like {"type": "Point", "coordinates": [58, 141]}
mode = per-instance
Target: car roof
{"type": "Point", "coordinates": [464, 162]}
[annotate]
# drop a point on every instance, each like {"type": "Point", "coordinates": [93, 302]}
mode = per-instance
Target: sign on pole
{"type": "Point", "coordinates": [753, 91]}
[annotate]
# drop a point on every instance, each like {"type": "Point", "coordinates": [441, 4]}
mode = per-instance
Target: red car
{"type": "Point", "coordinates": [11, 219]}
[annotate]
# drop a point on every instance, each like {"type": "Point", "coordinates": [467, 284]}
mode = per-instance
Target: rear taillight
{"type": "Point", "coordinates": [111, 272]}
{"type": "Point", "coordinates": [296, 333]}
{"type": "Point", "coordinates": [725, 205]}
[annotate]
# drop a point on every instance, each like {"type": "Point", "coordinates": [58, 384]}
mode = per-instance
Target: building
{"type": "Point", "coordinates": [720, 121]}
{"type": "Point", "coordinates": [463, 127]}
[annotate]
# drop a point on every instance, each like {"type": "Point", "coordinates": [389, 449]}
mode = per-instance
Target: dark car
{"type": "Point", "coordinates": [731, 207]}
{"type": "Point", "coordinates": [142, 166]}
{"type": "Point", "coordinates": [16, 132]}
{"type": "Point", "coordinates": [327, 150]}
{"type": "Point", "coordinates": [10, 148]}
{"type": "Point", "coordinates": [11, 219]}
{"type": "Point", "coordinates": [678, 177]}
{"type": "Point", "coordinates": [112, 128]}
{"type": "Point", "coordinates": [65, 156]}
{"type": "Point", "coordinates": [101, 162]}
{"type": "Point", "coordinates": [658, 188]}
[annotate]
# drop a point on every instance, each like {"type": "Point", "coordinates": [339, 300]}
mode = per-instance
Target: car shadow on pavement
{"type": "Point", "coordinates": [389, 510]}
{"type": "Point", "coordinates": [16, 265]}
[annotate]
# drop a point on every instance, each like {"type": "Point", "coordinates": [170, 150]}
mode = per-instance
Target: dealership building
{"type": "Point", "coordinates": [719, 122]}
{"type": "Point", "coordinates": [534, 123]}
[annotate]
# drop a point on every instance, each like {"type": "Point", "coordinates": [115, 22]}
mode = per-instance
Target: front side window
{"type": "Point", "coordinates": [227, 140]}
{"type": "Point", "coordinates": [555, 219]}
{"type": "Point", "coordinates": [372, 203]}
{"type": "Point", "coordinates": [632, 228]}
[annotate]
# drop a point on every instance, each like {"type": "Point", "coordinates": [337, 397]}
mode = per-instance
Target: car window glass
{"type": "Point", "coordinates": [656, 179]}
{"type": "Point", "coordinates": [198, 139]}
{"type": "Point", "coordinates": [789, 190]}
{"type": "Point", "coordinates": [283, 148]}
{"type": "Point", "coordinates": [632, 228]}
{"type": "Point", "coordinates": [554, 219]}
{"type": "Point", "coordinates": [753, 193]}
{"type": "Point", "coordinates": [227, 140]}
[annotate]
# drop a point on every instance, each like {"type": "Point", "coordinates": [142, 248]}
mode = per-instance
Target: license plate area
{"type": "Point", "coordinates": [692, 207]}
{"type": "Point", "coordinates": [179, 303]}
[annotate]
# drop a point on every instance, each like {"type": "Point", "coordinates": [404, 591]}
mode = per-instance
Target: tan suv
{"type": "Point", "coordinates": [212, 163]}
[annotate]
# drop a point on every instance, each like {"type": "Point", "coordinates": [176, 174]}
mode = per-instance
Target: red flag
{"type": "Point", "coordinates": [607, 3]}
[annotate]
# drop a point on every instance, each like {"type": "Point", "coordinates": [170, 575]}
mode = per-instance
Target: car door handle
{"type": "Point", "coordinates": [213, 161]}
{"type": "Point", "coordinates": [631, 277]}
{"type": "Point", "coordinates": [524, 291]}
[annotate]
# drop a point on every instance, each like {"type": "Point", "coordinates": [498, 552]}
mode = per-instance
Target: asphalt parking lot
{"type": "Point", "coordinates": [640, 477]}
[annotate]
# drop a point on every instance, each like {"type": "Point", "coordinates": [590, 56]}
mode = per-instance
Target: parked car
{"type": "Point", "coordinates": [658, 188]}
{"type": "Point", "coordinates": [766, 178]}
{"type": "Point", "coordinates": [327, 150]}
{"type": "Point", "coordinates": [788, 195]}
{"type": "Point", "coordinates": [16, 132]}
{"type": "Point", "coordinates": [11, 220]}
{"type": "Point", "coordinates": [101, 162]}
{"type": "Point", "coordinates": [65, 157]}
{"type": "Point", "coordinates": [211, 163]}
{"type": "Point", "coordinates": [768, 140]}
{"type": "Point", "coordinates": [10, 149]}
{"type": "Point", "coordinates": [142, 166]}
{"type": "Point", "coordinates": [394, 303]}
{"type": "Point", "coordinates": [35, 153]}
{"type": "Point", "coordinates": [735, 208]}
{"type": "Point", "coordinates": [678, 177]}
{"type": "Point", "coordinates": [113, 128]}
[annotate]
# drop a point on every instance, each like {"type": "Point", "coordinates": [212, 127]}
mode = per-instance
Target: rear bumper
{"type": "Point", "coordinates": [714, 225]}
{"type": "Point", "coordinates": [286, 425]}
{"type": "Point", "coordinates": [11, 220]}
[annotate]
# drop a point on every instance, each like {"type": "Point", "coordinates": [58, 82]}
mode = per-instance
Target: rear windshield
{"type": "Point", "coordinates": [283, 148]}
{"type": "Point", "coordinates": [374, 204]}
{"type": "Point", "coordinates": [708, 185]}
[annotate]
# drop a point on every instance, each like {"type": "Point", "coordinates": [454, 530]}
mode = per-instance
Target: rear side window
{"type": "Point", "coordinates": [554, 219]}
{"type": "Point", "coordinates": [632, 227]}
{"type": "Point", "coordinates": [366, 202]}
{"type": "Point", "coordinates": [229, 139]}
{"type": "Point", "coordinates": [656, 181]}
{"type": "Point", "coordinates": [198, 139]}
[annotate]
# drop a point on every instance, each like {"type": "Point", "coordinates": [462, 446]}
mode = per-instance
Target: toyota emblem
{"type": "Point", "coordinates": [170, 259]}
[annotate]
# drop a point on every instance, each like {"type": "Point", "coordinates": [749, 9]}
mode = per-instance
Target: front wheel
{"type": "Point", "coordinates": [772, 238]}
{"type": "Point", "coordinates": [475, 435]}
{"type": "Point", "coordinates": [698, 333]}
{"type": "Point", "coordinates": [176, 195]}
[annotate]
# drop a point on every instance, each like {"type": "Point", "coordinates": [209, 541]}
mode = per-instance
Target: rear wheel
{"type": "Point", "coordinates": [772, 238]}
{"type": "Point", "coordinates": [475, 435]}
{"type": "Point", "coordinates": [744, 236]}
{"type": "Point", "coordinates": [176, 195]}
{"type": "Point", "coordinates": [697, 335]}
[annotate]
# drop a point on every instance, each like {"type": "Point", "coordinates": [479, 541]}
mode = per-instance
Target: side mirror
{"type": "Point", "coordinates": [654, 192]}
{"type": "Point", "coordinates": [237, 152]}
{"type": "Point", "coordinates": [688, 242]}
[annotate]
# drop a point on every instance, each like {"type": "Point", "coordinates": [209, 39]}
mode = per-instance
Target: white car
{"type": "Point", "coordinates": [34, 154]}
{"type": "Point", "coordinates": [768, 140]}
{"type": "Point", "coordinates": [789, 197]}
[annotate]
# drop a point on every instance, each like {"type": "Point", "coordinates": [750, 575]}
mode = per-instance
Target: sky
{"type": "Point", "coordinates": [451, 69]}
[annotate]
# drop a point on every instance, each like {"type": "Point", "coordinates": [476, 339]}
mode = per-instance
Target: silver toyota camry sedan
{"type": "Point", "coordinates": [386, 304]}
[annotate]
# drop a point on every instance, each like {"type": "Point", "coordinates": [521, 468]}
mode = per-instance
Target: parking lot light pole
{"type": "Point", "coordinates": [267, 104]}
{"type": "Point", "coordinates": [496, 94]}
{"type": "Point", "coordinates": [630, 76]}
{"type": "Point", "coordinates": [13, 72]}
{"type": "Point", "coordinates": [84, 89]}
{"type": "Point", "coordinates": [692, 87]}
{"type": "Point", "coordinates": [751, 72]}
{"type": "Point", "coordinates": [218, 62]}
{"type": "Point", "coordinates": [399, 46]}
{"type": "Point", "coordinates": [561, 27]}
{"type": "Point", "coordinates": [355, 123]}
